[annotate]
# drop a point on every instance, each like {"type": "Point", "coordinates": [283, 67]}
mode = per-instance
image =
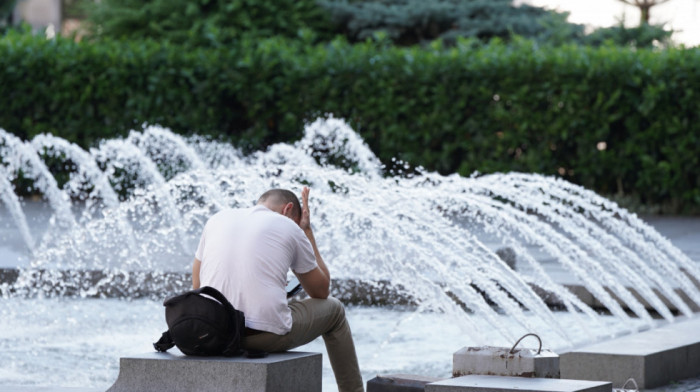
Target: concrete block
{"type": "Point", "coordinates": [653, 358]}
{"type": "Point", "coordinates": [498, 361]}
{"type": "Point", "coordinates": [482, 383]}
{"type": "Point", "coordinates": [399, 383]}
{"type": "Point", "coordinates": [175, 372]}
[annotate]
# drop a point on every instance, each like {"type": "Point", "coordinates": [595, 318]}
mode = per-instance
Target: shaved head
{"type": "Point", "coordinates": [280, 197]}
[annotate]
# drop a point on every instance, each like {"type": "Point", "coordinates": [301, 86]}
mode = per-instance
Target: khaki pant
{"type": "Point", "coordinates": [312, 318]}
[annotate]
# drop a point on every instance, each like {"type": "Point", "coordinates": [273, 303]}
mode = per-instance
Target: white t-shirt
{"type": "Point", "coordinates": [246, 254]}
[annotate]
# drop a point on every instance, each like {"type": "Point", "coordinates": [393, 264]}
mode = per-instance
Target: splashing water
{"type": "Point", "coordinates": [135, 207]}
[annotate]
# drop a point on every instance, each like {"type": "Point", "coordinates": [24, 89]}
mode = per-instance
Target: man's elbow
{"type": "Point", "coordinates": [319, 292]}
{"type": "Point", "coordinates": [315, 283]}
{"type": "Point", "coordinates": [322, 295]}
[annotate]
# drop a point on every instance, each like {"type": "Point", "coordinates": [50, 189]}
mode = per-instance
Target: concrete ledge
{"type": "Point", "coordinates": [589, 299]}
{"type": "Point", "coordinates": [278, 372]}
{"type": "Point", "coordinates": [508, 384]}
{"type": "Point", "coordinates": [653, 358]}
{"type": "Point", "coordinates": [399, 383]}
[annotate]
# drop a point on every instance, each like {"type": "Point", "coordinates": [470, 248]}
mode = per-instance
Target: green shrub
{"type": "Point", "coordinates": [612, 119]}
{"type": "Point", "coordinates": [211, 23]}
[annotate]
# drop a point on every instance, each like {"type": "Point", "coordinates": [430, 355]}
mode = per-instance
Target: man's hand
{"type": "Point", "coordinates": [305, 221]}
{"type": "Point", "coordinates": [316, 282]}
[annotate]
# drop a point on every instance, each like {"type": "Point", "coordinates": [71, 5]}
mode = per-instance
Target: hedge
{"type": "Point", "coordinates": [612, 119]}
{"type": "Point", "coordinates": [210, 23]}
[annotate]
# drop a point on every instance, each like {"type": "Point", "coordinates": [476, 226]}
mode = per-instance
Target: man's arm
{"type": "Point", "coordinates": [316, 282]}
{"type": "Point", "coordinates": [195, 273]}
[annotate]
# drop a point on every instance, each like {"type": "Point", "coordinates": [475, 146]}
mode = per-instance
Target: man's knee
{"type": "Point", "coordinates": [335, 311]}
{"type": "Point", "coordinates": [332, 308]}
{"type": "Point", "coordinates": [329, 307]}
{"type": "Point", "coordinates": [336, 306]}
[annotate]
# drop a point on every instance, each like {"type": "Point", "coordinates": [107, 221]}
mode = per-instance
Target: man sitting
{"type": "Point", "coordinates": [246, 253]}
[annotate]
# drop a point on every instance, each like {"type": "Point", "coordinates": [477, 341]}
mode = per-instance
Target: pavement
{"type": "Point", "coordinates": [684, 232]}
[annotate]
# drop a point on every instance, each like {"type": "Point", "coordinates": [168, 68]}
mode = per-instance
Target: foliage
{"type": "Point", "coordinates": [204, 22]}
{"type": "Point", "coordinates": [219, 23]}
{"type": "Point", "coordinates": [6, 9]}
{"type": "Point", "coordinates": [643, 36]}
{"type": "Point", "coordinates": [408, 22]}
{"type": "Point", "coordinates": [76, 8]}
{"type": "Point", "coordinates": [617, 120]}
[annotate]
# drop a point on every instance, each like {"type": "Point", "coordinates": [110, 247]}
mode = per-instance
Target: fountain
{"type": "Point", "coordinates": [127, 219]}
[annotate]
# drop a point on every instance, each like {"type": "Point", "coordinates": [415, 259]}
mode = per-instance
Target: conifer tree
{"type": "Point", "coordinates": [409, 22]}
{"type": "Point", "coordinates": [644, 7]}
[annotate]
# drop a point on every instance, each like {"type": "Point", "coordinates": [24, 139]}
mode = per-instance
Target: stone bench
{"type": "Point", "coordinates": [653, 358]}
{"type": "Point", "coordinates": [176, 372]}
{"type": "Point", "coordinates": [481, 383]}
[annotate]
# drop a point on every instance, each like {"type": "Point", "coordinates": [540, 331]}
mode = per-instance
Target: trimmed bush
{"type": "Point", "coordinates": [210, 23]}
{"type": "Point", "coordinates": [613, 119]}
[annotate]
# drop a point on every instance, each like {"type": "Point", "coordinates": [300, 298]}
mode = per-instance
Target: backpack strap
{"type": "Point", "coordinates": [165, 343]}
{"type": "Point", "coordinates": [236, 317]}
{"type": "Point", "coordinates": [216, 294]}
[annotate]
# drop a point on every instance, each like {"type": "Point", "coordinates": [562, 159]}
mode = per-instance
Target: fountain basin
{"type": "Point", "coordinates": [149, 284]}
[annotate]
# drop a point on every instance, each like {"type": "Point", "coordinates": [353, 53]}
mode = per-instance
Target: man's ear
{"type": "Point", "coordinates": [287, 209]}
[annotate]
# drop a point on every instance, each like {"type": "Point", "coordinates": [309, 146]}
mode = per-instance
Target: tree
{"type": "Point", "coordinates": [204, 22]}
{"type": "Point", "coordinates": [643, 36]}
{"type": "Point", "coordinates": [644, 7]}
{"type": "Point", "coordinates": [409, 22]}
{"type": "Point", "coordinates": [6, 8]}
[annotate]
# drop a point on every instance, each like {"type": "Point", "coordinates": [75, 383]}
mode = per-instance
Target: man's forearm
{"type": "Point", "coordinates": [195, 273]}
{"type": "Point", "coordinates": [319, 259]}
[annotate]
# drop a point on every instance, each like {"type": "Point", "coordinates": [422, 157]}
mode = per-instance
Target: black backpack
{"type": "Point", "coordinates": [202, 326]}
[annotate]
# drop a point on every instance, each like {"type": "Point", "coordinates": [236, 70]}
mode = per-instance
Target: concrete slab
{"type": "Point", "coordinates": [653, 358]}
{"type": "Point", "coordinates": [175, 372]}
{"type": "Point", "coordinates": [400, 383]}
{"type": "Point", "coordinates": [499, 361]}
{"type": "Point", "coordinates": [481, 383]}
